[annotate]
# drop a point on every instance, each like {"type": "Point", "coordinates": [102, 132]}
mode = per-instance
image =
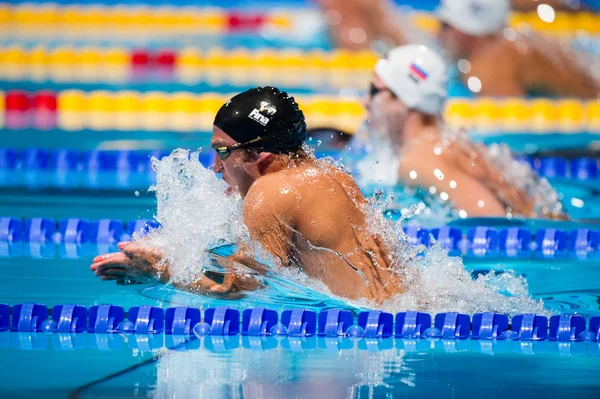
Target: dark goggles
{"type": "Point", "coordinates": [224, 151]}
{"type": "Point", "coordinates": [373, 90]}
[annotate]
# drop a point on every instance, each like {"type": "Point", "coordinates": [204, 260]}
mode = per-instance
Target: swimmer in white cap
{"type": "Point", "coordinates": [404, 106]}
{"type": "Point", "coordinates": [492, 59]}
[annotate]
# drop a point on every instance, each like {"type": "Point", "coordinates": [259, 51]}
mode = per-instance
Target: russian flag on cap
{"type": "Point", "coordinates": [417, 73]}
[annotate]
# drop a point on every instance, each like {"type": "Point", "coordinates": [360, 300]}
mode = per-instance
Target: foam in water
{"type": "Point", "coordinates": [194, 212]}
{"type": "Point", "coordinates": [195, 215]}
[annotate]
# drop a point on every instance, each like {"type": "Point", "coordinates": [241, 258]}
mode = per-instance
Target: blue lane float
{"type": "Point", "coordinates": [566, 327]}
{"type": "Point", "coordinates": [39, 229]}
{"type": "Point", "coordinates": [376, 324]}
{"type": "Point", "coordinates": [72, 230]}
{"type": "Point", "coordinates": [488, 332]}
{"type": "Point", "coordinates": [529, 327]}
{"type": "Point", "coordinates": [582, 168]}
{"type": "Point", "coordinates": [68, 169]}
{"type": "Point", "coordinates": [489, 326]}
{"type": "Point", "coordinates": [412, 324]}
{"type": "Point", "coordinates": [28, 317]}
{"type": "Point", "coordinates": [512, 242]}
{"type": "Point", "coordinates": [4, 317]}
{"type": "Point", "coordinates": [181, 320]}
{"type": "Point", "coordinates": [11, 229]}
{"type": "Point", "coordinates": [36, 341]}
{"type": "Point", "coordinates": [299, 322]}
{"type": "Point", "coordinates": [104, 319]}
{"type": "Point", "coordinates": [143, 320]}
{"type": "Point", "coordinates": [479, 241]}
{"type": "Point", "coordinates": [258, 321]}
{"type": "Point", "coordinates": [482, 240]}
{"type": "Point", "coordinates": [67, 319]}
{"type": "Point", "coordinates": [261, 322]}
{"type": "Point", "coordinates": [448, 237]}
{"type": "Point", "coordinates": [515, 241]}
{"type": "Point", "coordinates": [335, 323]}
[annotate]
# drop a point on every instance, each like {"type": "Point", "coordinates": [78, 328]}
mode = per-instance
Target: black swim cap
{"type": "Point", "coordinates": [266, 114]}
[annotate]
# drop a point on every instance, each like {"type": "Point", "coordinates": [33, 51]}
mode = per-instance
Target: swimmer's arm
{"type": "Point", "coordinates": [138, 262]}
{"type": "Point", "coordinates": [270, 215]}
{"type": "Point", "coordinates": [549, 69]}
{"type": "Point", "coordinates": [531, 5]}
{"type": "Point", "coordinates": [508, 86]}
{"type": "Point", "coordinates": [374, 17]}
{"type": "Point", "coordinates": [497, 73]}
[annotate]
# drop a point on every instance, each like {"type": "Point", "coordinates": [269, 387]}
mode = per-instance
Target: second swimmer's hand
{"type": "Point", "coordinates": [135, 262]}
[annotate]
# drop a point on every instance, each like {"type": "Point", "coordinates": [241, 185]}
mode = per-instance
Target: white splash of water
{"type": "Point", "coordinates": [194, 212]}
{"type": "Point", "coordinates": [521, 175]}
{"type": "Point", "coordinates": [438, 283]}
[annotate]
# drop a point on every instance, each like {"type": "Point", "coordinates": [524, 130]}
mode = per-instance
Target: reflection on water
{"type": "Point", "coordinates": [405, 368]}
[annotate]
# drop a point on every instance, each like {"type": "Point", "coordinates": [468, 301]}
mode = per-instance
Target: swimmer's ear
{"type": "Point", "coordinates": [263, 161]}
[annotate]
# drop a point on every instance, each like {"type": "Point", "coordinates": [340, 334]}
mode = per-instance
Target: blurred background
{"type": "Point", "coordinates": [81, 79]}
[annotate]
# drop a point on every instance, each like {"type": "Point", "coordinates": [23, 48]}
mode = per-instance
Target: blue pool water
{"type": "Point", "coordinates": [88, 365]}
{"type": "Point", "coordinates": [91, 365]}
{"type": "Point", "coordinates": [114, 365]}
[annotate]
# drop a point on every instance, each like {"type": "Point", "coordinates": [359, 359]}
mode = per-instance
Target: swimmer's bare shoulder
{"type": "Point", "coordinates": [530, 63]}
{"type": "Point", "coordinates": [317, 201]}
{"type": "Point", "coordinates": [496, 66]}
{"type": "Point", "coordinates": [429, 164]}
{"type": "Point", "coordinates": [270, 196]}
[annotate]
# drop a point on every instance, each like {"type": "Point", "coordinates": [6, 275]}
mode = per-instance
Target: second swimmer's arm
{"type": "Point", "coordinates": [356, 23]}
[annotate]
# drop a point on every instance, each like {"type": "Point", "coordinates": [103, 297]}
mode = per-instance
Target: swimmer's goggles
{"type": "Point", "coordinates": [224, 151]}
{"type": "Point", "coordinates": [373, 90]}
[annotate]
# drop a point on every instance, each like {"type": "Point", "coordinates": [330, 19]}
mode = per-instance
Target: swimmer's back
{"type": "Point", "coordinates": [314, 216]}
{"type": "Point", "coordinates": [529, 65]}
{"type": "Point", "coordinates": [462, 172]}
{"type": "Point", "coordinates": [307, 197]}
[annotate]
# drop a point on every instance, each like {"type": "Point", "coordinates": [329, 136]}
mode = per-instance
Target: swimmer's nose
{"type": "Point", "coordinates": [366, 101]}
{"type": "Point", "coordinates": [217, 164]}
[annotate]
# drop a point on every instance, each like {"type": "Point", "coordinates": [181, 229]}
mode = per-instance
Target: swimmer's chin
{"type": "Point", "coordinates": [230, 191]}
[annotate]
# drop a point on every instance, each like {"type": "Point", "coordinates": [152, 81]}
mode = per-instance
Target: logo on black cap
{"type": "Point", "coordinates": [268, 108]}
{"type": "Point", "coordinates": [258, 114]}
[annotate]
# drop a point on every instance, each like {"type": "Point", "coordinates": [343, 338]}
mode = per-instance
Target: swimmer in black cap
{"type": "Point", "coordinates": [262, 121]}
{"type": "Point", "coordinates": [304, 212]}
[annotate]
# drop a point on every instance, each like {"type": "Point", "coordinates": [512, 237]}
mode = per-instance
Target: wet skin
{"type": "Point", "coordinates": [305, 213]}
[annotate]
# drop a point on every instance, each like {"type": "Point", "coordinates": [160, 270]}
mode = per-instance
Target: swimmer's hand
{"type": "Point", "coordinates": [135, 262]}
{"type": "Point", "coordinates": [141, 263]}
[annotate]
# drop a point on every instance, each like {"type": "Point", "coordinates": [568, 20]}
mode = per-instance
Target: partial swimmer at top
{"type": "Point", "coordinates": [404, 121]}
{"type": "Point", "coordinates": [491, 58]}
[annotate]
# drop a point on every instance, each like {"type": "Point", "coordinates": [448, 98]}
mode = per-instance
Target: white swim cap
{"type": "Point", "coordinates": [416, 75]}
{"type": "Point", "coordinates": [474, 17]}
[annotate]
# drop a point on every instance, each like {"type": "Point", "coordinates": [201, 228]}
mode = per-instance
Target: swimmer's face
{"type": "Point", "coordinates": [386, 113]}
{"type": "Point", "coordinates": [241, 167]}
{"type": "Point", "coordinates": [453, 40]}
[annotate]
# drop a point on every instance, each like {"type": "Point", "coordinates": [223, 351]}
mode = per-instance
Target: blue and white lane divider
{"type": "Point", "coordinates": [150, 328]}
{"type": "Point", "coordinates": [72, 230]}
{"type": "Point", "coordinates": [127, 169]}
{"type": "Point", "coordinates": [480, 241]}
{"type": "Point", "coordinates": [222, 320]}
{"type": "Point", "coordinates": [511, 242]}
